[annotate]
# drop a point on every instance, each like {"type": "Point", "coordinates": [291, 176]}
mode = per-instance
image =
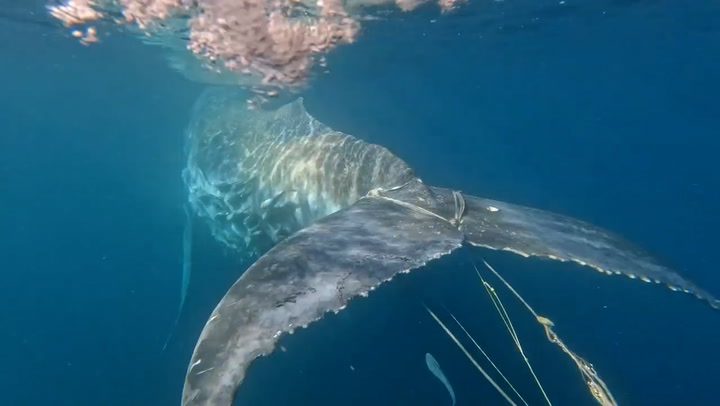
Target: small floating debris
{"type": "Point", "coordinates": [434, 368]}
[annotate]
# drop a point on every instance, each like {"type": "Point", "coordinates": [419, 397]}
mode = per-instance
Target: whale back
{"type": "Point", "coordinates": [258, 176]}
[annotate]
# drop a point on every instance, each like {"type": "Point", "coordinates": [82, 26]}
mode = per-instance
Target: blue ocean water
{"type": "Point", "coordinates": [603, 110]}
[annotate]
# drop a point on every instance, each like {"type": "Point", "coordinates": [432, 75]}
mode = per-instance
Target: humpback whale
{"type": "Point", "coordinates": [331, 218]}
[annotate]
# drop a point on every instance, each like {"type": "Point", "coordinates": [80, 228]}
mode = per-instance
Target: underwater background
{"type": "Point", "coordinates": [602, 110]}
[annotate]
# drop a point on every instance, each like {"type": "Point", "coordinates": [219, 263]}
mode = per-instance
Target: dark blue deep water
{"type": "Point", "coordinates": [604, 110]}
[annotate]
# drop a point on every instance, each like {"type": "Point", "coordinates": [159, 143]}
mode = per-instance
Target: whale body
{"type": "Point", "coordinates": [332, 217]}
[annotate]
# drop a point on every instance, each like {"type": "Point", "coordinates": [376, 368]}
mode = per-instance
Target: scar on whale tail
{"type": "Point", "coordinates": [395, 225]}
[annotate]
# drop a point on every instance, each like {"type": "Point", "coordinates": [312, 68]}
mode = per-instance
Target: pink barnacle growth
{"type": "Point", "coordinates": [448, 5]}
{"type": "Point", "coordinates": [145, 12]}
{"type": "Point", "coordinates": [75, 12]}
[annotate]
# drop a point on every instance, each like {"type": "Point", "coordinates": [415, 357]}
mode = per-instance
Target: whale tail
{"type": "Point", "coordinates": [353, 251]}
{"type": "Point", "coordinates": [537, 233]}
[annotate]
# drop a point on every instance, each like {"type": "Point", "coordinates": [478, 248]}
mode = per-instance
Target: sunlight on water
{"type": "Point", "coordinates": [272, 43]}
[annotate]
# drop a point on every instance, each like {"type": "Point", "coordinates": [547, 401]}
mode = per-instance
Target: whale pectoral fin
{"type": "Point", "coordinates": [532, 232]}
{"type": "Point", "coordinates": [312, 272]}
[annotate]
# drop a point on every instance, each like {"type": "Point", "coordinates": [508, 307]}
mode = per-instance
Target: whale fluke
{"type": "Point", "coordinates": [532, 232]}
{"type": "Point", "coordinates": [316, 270]}
{"type": "Point", "coordinates": [336, 217]}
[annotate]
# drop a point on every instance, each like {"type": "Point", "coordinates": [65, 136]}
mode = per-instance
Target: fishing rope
{"type": "Point", "coordinates": [487, 357]}
{"type": "Point", "coordinates": [467, 354]}
{"type": "Point", "coordinates": [511, 329]}
{"type": "Point", "coordinates": [459, 201]}
{"type": "Point", "coordinates": [595, 384]}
